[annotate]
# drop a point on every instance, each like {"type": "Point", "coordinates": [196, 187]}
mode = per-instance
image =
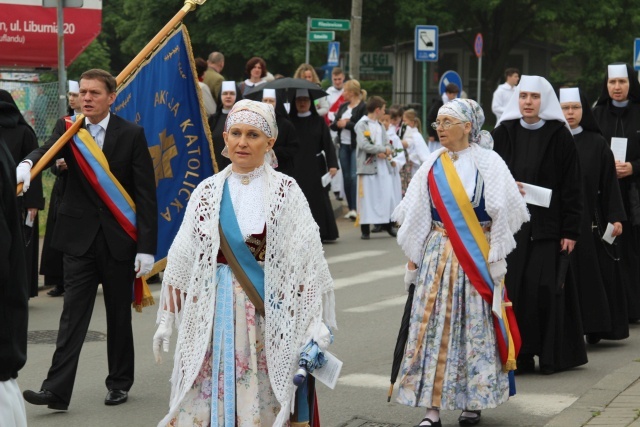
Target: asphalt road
{"type": "Point", "coordinates": [369, 296]}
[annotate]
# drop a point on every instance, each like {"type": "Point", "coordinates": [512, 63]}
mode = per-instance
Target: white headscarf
{"type": "Point", "coordinates": [259, 115]}
{"type": "Point", "coordinates": [549, 104]}
{"type": "Point", "coordinates": [468, 110]}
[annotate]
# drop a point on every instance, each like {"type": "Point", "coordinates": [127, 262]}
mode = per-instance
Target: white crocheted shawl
{"type": "Point", "coordinates": [503, 203]}
{"type": "Point", "coordinates": [298, 285]}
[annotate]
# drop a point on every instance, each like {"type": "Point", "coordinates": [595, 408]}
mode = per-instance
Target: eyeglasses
{"type": "Point", "coordinates": [571, 107]}
{"type": "Point", "coordinates": [446, 125]}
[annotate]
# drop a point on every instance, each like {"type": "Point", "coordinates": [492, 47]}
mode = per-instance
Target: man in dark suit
{"type": "Point", "coordinates": [96, 247]}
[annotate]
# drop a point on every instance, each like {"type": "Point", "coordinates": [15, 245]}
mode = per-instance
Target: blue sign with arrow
{"type": "Point", "coordinates": [426, 43]}
{"type": "Point", "coordinates": [636, 54]}
{"type": "Point", "coordinates": [450, 77]}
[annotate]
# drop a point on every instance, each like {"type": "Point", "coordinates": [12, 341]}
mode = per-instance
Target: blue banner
{"type": "Point", "coordinates": [163, 97]}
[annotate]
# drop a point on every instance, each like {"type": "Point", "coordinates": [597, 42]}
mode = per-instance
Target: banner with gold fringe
{"type": "Point", "coordinates": [163, 96]}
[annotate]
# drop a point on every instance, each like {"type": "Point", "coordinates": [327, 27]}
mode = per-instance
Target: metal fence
{"type": "Point", "coordinates": [38, 103]}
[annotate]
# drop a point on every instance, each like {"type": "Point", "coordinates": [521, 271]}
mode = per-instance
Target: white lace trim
{"type": "Point", "coordinates": [298, 285]}
{"type": "Point", "coordinates": [503, 203]}
{"type": "Point", "coordinates": [248, 200]}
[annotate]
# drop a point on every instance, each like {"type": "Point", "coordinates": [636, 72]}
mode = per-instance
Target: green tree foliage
{"type": "Point", "coordinates": [96, 55]}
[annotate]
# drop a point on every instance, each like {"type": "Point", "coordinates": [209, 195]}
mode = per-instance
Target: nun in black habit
{"type": "Point", "coordinates": [594, 262]}
{"type": "Point", "coordinates": [286, 146]}
{"type": "Point", "coordinates": [618, 115]}
{"type": "Point", "coordinates": [311, 164]}
{"type": "Point", "coordinates": [21, 139]}
{"type": "Point", "coordinates": [533, 138]}
{"type": "Point", "coordinates": [229, 95]}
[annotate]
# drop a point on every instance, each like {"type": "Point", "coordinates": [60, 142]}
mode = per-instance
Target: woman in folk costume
{"type": "Point", "coordinates": [533, 138]}
{"type": "Point", "coordinates": [596, 263]}
{"type": "Point", "coordinates": [458, 219]}
{"type": "Point", "coordinates": [239, 339]}
{"type": "Point", "coordinates": [618, 115]}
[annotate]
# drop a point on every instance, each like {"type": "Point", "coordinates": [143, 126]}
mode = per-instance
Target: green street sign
{"type": "Point", "coordinates": [330, 24]}
{"type": "Point", "coordinates": [322, 36]}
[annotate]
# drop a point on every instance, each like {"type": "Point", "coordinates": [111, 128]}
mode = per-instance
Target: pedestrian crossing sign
{"type": "Point", "coordinates": [334, 54]}
{"type": "Point", "coordinates": [636, 54]}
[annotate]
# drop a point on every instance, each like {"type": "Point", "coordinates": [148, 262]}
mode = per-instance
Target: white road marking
{"type": "Point", "coordinates": [542, 404]}
{"type": "Point", "coordinates": [354, 256]}
{"type": "Point", "coordinates": [365, 380]}
{"type": "Point", "coordinates": [393, 302]}
{"type": "Point", "coordinates": [372, 276]}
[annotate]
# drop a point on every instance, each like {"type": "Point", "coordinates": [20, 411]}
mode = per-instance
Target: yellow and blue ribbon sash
{"type": "Point", "coordinates": [472, 250]}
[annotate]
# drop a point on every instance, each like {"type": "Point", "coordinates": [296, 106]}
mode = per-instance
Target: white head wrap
{"type": "Point", "coordinates": [74, 87]}
{"type": "Point", "coordinates": [268, 93]}
{"type": "Point", "coordinates": [468, 110]}
{"type": "Point", "coordinates": [569, 94]}
{"type": "Point", "coordinates": [616, 71]}
{"type": "Point", "coordinates": [228, 86]}
{"type": "Point", "coordinates": [258, 115]}
{"type": "Point", "coordinates": [549, 104]}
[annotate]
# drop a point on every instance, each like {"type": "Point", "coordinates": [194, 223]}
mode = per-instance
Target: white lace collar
{"type": "Point", "coordinates": [246, 178]}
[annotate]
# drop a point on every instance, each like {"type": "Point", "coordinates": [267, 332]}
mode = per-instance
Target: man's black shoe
{"type": "Point", "coordinates": [45, 397]}
{"type": "Point", "coordinates": [56, 292]}
{"type": "Point", "coordinates": [116, 397]}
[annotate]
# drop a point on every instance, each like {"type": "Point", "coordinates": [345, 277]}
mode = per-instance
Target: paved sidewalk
{"type": "Point", "coordinates": [614, 402]}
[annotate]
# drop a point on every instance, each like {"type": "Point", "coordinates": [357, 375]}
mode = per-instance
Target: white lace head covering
{"type": "Point", "coordinates": [549, 104]}
{"type": "Point", "coordinates": [254, 113]}
{"type": "Point", "coordinates": [468, 110]}
{"type": "Point", "coordinates": [258, 115]}
{"type": "Point", "coordinates": [74, 87]}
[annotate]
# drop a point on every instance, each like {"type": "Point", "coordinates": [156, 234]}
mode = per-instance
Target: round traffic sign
{"type": "Point", "coordinates": [450, 77]}
{"type": "Point", "coordinates": [478, 45]}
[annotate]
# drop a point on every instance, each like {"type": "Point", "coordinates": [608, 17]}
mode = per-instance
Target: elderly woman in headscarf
{"type": "Point", "coordinates": [457, 220]}
{"type": "Point", "coordinates": [533, 138]}
{"type": "Point", "coordinates": [247, 286]}
{"type": "Point", "coordinates": [20, 139]}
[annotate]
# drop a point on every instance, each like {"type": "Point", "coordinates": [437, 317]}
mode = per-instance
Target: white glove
{"type": "Point", "coordinates": [162, 337]}
{"type": "Point", "coordinates": [410, 277]}
{"type": "Point", "coordinates": [498, 270]}
{"type": "Point", "coordinates": [143, 264]}
{"type": "Point", "coordinates": [23, 175]}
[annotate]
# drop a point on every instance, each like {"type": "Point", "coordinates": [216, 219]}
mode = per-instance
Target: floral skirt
{"type": "Point", "coordinates": [451, 359]}
{"type": "Point", "coordinates": [256, 403]}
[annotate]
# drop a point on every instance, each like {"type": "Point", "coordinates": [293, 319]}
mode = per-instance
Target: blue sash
{"type": "Point", "coordinates": [244, 257]}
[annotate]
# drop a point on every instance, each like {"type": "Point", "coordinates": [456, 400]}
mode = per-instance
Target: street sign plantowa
{"type": "Point", "coordinates": [322, 36]}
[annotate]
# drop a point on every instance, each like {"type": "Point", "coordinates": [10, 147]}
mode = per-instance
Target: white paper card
{"type": "Point", "coordinates": [329, 373]}
{"type": "Point", "coordinates": [326, 179]}
{"type": "Point", "coordinates": [608, 237]}
{"type": "Point", "coordinates": [496, 307]}
{"type": "Point", "coordinates": [619, 148]}
{"type": "Point", "coordinates": [535, 195]}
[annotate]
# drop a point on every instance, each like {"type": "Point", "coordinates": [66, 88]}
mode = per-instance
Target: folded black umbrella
{"type": "Point", "coordinates": [401, 342]}
{"type": "Point", "coordinates": [287, 86]}
{"type": "Point", "coordinates": [561, 271]}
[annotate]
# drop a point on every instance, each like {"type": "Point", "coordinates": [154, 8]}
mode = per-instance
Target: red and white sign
{"type": "Point", "coordinates": [29, 32]}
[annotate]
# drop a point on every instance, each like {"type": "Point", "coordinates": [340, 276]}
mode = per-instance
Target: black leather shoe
{"type": "Point", "coordinates": [45, 397]}
{"type": "Point", "coordinates": [116, 397]}
{"type": "Point", "coordinates": [365, 236]}
{"type": "Point", "coordinates": [593, 338]}
{"type": "Point", "coordinates": [464, 420]}
{"type": "Point", "coordinates": [377, 228]}
{"type": "Point", "coordinates": [393, 232]}
{"type": "Point", "coordinates": [56, 292]}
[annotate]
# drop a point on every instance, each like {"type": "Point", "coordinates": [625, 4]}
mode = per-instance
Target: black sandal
{"type": "Point", "coordinates": [431, 423]}
{"type": "Point", "coordinates": [465, 420]}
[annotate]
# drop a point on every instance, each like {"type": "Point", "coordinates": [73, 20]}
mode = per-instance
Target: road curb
{"type": "Point", "coordinates": [596, 399]}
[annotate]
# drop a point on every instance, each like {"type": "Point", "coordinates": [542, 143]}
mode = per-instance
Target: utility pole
{"type": "Point", "coordinates": [354, 40]}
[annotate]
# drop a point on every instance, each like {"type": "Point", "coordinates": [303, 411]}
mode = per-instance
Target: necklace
{"type": "Point", "coordinates": [454, 156]}
{"type": "Point", "coordinates": [246, 178]}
